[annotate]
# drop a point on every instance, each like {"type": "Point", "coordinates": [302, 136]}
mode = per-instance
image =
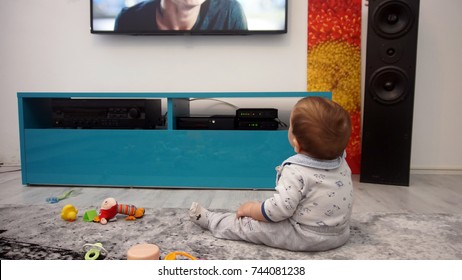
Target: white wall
{"type": "Point", "coordinates": [46, 45]}
{"type": "Point", "coordinates": [437, 132]}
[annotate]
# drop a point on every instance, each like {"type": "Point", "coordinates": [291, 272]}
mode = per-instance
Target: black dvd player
{"type": "Point", "coordinates": [215, 122]}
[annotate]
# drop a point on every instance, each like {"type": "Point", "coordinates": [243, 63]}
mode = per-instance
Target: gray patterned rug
{"type": "Point", "coordinates": [38, 232]}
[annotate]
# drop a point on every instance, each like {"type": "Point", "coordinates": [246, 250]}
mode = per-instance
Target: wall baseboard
{"type": "Point", "coordinates": [437, 171]}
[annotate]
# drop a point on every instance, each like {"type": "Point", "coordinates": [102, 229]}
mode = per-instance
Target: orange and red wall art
{"type": "Point", "coordinates": [334, 61]}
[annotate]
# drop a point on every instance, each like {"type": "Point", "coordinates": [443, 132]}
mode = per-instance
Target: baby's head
{"type": "Point", "coordinates": [319, 128]}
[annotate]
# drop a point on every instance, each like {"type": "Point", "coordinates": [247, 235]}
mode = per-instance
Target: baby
{"type": "Point", "coordinates": [311, 208]}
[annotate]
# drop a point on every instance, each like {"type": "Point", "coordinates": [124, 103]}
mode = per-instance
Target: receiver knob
{"type": "Point", "coordinates": [134, 113]}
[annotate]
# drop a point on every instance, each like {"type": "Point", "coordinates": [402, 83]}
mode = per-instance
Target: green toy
{"type": "Point", "coordinates": [56, 199]}
{"type": "Point", "coordinates": [89, 215]}
{"type": "Point", "coordinates": [94, 251]}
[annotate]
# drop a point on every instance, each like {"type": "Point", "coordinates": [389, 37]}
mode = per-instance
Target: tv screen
{"type": "Point", "coordinates": [201, 17]}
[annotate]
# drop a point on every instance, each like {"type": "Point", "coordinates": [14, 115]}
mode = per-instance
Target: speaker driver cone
{"type": "Point", "coordinates": [389, 85]}
{"type": "Point", "coordinates": [392, 19]}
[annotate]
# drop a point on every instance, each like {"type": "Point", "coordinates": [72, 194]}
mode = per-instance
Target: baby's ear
{"type": "Point", "coordinates": [296, 145]}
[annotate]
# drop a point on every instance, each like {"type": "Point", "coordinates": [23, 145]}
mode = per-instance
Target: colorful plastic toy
{"type": "Point", "coordinates": [56, 199]}
{"type": "Point", "coordinates": [174, 255]}
{"type": "Point", "coordinates": [89, 215]}
{"type": "Point", "coordinates": [143, 252]}
{"type": "Point", "coordinates": [94, 251]}
{"type": "Point", "coordinates": [69, 213]}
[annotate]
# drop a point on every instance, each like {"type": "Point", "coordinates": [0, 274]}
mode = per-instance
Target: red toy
{"type": "Point", "coordinates": [110, 208]}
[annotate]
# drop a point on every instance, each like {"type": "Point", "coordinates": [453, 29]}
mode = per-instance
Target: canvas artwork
{"type": "Point", "coordinates": [334, 60]}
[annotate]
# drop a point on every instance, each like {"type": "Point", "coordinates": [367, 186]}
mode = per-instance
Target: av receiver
{"type": "Point", "coordinates": [106, 113]}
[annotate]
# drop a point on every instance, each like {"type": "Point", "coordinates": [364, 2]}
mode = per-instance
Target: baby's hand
{"type": "Point", "coordinates": [244, 210]}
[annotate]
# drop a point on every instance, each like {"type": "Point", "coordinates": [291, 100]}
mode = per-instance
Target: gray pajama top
{"type": "Point", "coordinates": [311, 192]}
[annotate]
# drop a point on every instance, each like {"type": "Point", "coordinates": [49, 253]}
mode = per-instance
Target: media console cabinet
{"type": "Point", "coordinates": [161, 157]}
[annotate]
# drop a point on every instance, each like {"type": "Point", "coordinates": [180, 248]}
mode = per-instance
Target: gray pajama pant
{"type": "Point", "coordinates": [284, 235]}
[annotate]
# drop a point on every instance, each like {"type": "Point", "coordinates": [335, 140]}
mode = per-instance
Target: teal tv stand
{"type": "Point", "coordinates": [165, 157]}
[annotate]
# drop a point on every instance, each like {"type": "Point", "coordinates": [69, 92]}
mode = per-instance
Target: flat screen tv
{"type": "Point", "coordinates": [193, 17]}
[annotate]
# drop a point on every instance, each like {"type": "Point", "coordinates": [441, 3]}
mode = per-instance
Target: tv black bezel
{"type": "Point", "coordinates": [191, 32]}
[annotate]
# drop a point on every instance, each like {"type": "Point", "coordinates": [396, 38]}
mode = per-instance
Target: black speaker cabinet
{"type": "Point", "coordinates": [389, 91]}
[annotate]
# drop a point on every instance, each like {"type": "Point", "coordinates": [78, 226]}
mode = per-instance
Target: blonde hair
{"type": "Point", "coordinates": [321, 127]}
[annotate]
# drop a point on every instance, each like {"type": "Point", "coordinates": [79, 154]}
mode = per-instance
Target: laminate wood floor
{"type": "Point", "coordinates": [428, 193]}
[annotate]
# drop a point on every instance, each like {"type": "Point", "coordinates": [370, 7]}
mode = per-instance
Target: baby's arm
{"type": "Point", "coordinates": [289, 192]}
{"type": "Point", "coordinates": [251, 209]}
{"type": "Point", "coordinates": [283, 203]}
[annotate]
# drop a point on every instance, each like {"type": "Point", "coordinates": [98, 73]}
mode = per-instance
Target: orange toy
{"type": "Point", "coordinates": [143, 252]}
{"type": "Point", "coordinates": [173, 255]}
